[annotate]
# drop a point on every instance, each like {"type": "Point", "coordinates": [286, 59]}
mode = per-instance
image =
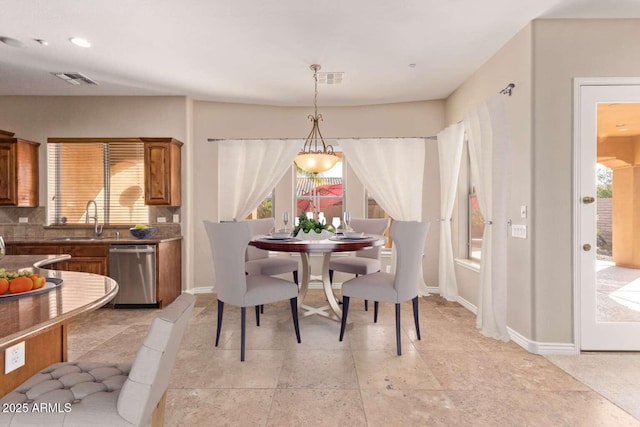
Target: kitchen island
{"type": "Point", "coordinates": [40, 320]}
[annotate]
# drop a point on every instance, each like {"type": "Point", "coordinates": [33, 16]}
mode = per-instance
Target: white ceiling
{"type": "Point", "coordinates": [259, 51]}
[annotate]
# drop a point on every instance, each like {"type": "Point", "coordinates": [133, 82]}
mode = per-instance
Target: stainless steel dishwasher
{"type": "Point", "coordinates": [134, 268]}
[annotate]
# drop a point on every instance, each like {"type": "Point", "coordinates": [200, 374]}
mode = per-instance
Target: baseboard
{"type": "Point", "coordinates": [527, 344]}
{"type": "Point", "coordinates": [542, 348]}
{"type": "Point", "coordinates": [201, 290]}
{"type": "Point", "coordinates": [466, 304]}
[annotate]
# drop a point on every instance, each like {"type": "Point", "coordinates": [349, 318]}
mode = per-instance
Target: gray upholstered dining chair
{"type": "Point", "coordinates": [408, 239]}
{"type": "Point", "coordinates": [106, 394]}
{"type": "Point", "coordinates": [366, 261]}
{"type": "Point", "coordinates": [257, 261]}
{"type": "Point", "coordinates": [229, 243]}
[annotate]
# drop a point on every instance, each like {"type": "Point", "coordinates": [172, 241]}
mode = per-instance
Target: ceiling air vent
{"type": "Point", "coordinates": [75, 78]}
{"type": "Point", "coordinates": [330, 78]}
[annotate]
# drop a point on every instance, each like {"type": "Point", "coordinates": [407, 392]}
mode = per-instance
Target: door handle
{"type": "Point", "coordinates": [586, 247]}
{"type": "Point", "coordinates": [588, 200]}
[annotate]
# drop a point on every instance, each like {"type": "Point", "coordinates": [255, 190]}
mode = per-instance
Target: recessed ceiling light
{"type": "Point", "coordinates": [79, 41]}
{"type": "Point", "coordinates": [42, 42]}
{"type": "Point", "coordinates": [11, 42]}
{"type": "Point", "coordinates": [412, 65]}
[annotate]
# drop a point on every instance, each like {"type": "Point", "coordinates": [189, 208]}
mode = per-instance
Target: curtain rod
{"type": "Point", "coordinates": [506, 91]}
{"type": "Point", "coordinates": [338, 138]}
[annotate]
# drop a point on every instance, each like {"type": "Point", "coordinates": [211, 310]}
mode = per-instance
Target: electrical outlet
{"type": "Point", "coordinates": [14, 357]}
{"type": "Point", "coordinates": [388, 269]}
{"type": "Point", "coordinates": [176, 218]}
{"type": "Point", "coordinates": [162, 219]}
{"type": "Point", "coordinates": [523, 211]}
{"type": "Point", "coordinates": [23, 220]}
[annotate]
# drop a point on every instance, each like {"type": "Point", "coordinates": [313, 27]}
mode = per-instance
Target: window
{"type": "Point", "coordinates": [265, 210]}
{"type": "Point", "coordinates": [321, 193]}
{"type": "Point", "coordinates": [110, 173]}
{"type": "Point", "coordinates": [475, 222]}
{"type": "Point", "coordinates": [375, 211]}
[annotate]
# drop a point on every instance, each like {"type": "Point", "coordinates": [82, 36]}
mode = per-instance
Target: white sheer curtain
{"type": "Point", "coordinates": [489, 148]}
{"type": "Point", "coordinates": [392, 171]}
{"type": "Point", "coordinates": [450, 144]}
{"type": "Point", "coordinates": [248, 170]}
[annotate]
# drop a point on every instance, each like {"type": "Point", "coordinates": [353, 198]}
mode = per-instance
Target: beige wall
{"type": "Point", "coordinates": [219, 120]}
{"type": "Point", "coordinates": [511, 64]}
{"type": "Point", "coordinates": [563, 50]}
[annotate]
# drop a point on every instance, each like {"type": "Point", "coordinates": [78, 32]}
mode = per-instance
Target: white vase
{"type": "Point", "coordinates": [312, 235]}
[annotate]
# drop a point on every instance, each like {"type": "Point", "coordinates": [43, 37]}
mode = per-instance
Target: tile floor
{"type": "Point", "coordinates": [453, 376]}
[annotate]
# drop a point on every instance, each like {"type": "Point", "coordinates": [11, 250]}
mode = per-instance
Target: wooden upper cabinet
{"type": "Point", "coordinates": [162, 171]}
{"type": "Point", "coordinates": [18, 171]}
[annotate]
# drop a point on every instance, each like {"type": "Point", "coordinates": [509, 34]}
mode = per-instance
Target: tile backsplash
{"type": "Point", "coordinates": [13, 225]}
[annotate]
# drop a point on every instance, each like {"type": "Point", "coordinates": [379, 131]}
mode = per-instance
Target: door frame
{"type": "Point", "coordinates": [578, 82]}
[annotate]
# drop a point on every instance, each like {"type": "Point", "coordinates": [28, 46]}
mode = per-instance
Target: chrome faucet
{"type": "Point", "coordinates": [97, 229]}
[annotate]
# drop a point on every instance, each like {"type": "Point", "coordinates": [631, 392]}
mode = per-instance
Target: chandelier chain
{"type": "Point", "coordinates": [315, 98]}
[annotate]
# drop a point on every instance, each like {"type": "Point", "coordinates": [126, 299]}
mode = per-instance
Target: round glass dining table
{"type": "Point", "coordinates": [326, 247]}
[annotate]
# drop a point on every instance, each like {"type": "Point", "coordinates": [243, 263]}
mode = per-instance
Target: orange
{"type": "Point", "coordinates": [20, 284]}
{"type": "Point", "coordinates": [38, 280]}
{"type": "Point", "coordinates": [4, 285]}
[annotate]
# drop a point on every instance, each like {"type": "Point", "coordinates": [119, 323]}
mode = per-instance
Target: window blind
{"type": "Point", "coordinates": [110, 173]}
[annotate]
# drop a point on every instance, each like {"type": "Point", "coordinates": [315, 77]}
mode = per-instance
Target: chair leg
{"type": "Point", "coordinates": [331, 276]}
{"type": "Point", "coordinates": [294, 314]}
{"type": "Point", "coordinates": [398, 330]}
{"type": "Point", "coordinates": [220, 311]}
{"type": "Point", "coordinates": [345, 311]}
{"type": "Point", "coordinates": [415, 316]}
{"type": "Point", "coordinates": [257, 315]}
{"type": "Point", "coordinates": [243, 318]}
{"type": "Point", "coordinates": [366, 305]}
{"type": "Point", "coordinates": [375, 312]}
{"type": "Point", "coordinates": [261, 308]}
{"type": "Point", "coordinates": [295, 277]}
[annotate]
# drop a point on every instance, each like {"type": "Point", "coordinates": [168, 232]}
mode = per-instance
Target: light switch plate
{"type": "Point", "coordinates": [14, 357]}
{"type": "Point", "coordinates": [519, 231]}
{"type": "Point", "coordinates": [176, 218]}
{"type": "Point", "coordinates": [23, 220]}
{"type": "Point", "coordinates": [162, 219]}
{"type": "Point", "coordinates": [523, 211]}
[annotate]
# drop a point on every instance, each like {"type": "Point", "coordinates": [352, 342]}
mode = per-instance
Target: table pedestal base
{"type": "Point", "coordinates": [335, 312]}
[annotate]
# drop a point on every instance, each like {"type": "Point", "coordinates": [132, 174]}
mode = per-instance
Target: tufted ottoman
{"type": "Point", "coordinates": [66, 392]}
{"type": "Point", "coordinates": [85, 394]}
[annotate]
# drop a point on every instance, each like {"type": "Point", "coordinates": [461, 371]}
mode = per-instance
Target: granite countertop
{"type": "Point", "coordinates": [126, 240]}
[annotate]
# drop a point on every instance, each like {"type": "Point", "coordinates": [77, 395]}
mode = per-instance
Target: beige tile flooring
{"type": "Point", "coordinates": [453, 376]}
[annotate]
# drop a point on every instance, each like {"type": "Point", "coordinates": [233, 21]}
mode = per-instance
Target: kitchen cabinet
{"type": "Point", "coordinates": [168, 271]}
{"type": "Point", "coordinates": [86, 258]}
{"type": "Point", "coordinates": [18, 171]}
{"type": "Point", "coordinates": [162, 171]}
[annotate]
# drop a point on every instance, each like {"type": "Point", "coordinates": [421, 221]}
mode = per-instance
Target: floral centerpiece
{"type": "Point", "coordinates": [312, 229]}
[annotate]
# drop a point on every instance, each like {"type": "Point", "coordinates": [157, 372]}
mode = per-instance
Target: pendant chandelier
{"type": "Point", "coordinates": [316, 156]}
